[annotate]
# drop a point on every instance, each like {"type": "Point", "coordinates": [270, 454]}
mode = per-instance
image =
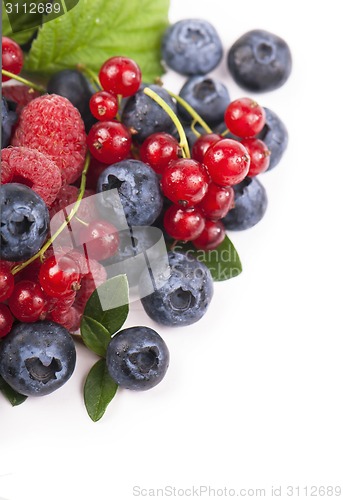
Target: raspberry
{"type": "Point", "coordinates": [53, 126]}
{"type": "Point", "coordinates": [20, 94]}
{"type": "Point", "coordinates": [32, 168]}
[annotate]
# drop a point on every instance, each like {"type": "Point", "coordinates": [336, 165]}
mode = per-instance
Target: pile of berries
{"type": "Point", "coordinates": [170, 170]}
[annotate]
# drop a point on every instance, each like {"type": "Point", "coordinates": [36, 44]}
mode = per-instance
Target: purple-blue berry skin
{"type": "Point", "coordinates": [144, 117]}
{"type": "Point", "coordinates": [260, 61]}
{"type": "Point", "coordinates": [137, 358]}
{"type": "Point", "coordinates": [207, 96]}
{"type": "Point", "coordinates": [37, 358]}
{"type": "Point", "coordinates": [192, 47]}
{"type": "Point", "coordinates": [8, 120]}
{"type": "Point", "coordinates": [180, 298]}
{"type": "Point", "coordinates": [250, 205]}
{"type": "Point", "coordinates": [24, 219]}
{"type": "Point", "coordinates": [139, 191]}
{"type": "Point", "coordinates": [275, 136]}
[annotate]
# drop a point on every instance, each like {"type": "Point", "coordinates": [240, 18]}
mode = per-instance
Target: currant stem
{"type": "Point", "coordinates": [91, 74]}
{"type": "Point", "coordinates": [183, 139]}
{"type": "Point", "coordinates": [73, 211]}
{"type": "Point", "coordinates": [191, 111]}
{"type": "Point", "coordinates": [194, 130]}
{"type": "Point", "coordinates": [20, 79]}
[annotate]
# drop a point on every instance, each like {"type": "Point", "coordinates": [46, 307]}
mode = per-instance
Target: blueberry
{"type": "Point", "coordinates": [192, 47]}
{"type": "Point", "coordinates": [8, 119]}
{"type": "Point", "coordinates": [275, 136]}
{"type": "Point", "coordinates": [73, 85]}
{"type": "Point", "coordinates": [24, 221]}
{"type": "Point", "coordinates": [137, 358]}
{"type": "Point", "coordinates": [250, 205]}
{"type": "Point", "coordinates": [143, 116]}
{"type": "Point", "coordinates": [180, 298]}
{"type": "Point", "coordinates": [37, 358]}
{"type": "Point", "coordinates": [260, 61]}
{"type": "Point", "coordinates": [139, 191]}
{"type": "Point", "coordinates": [208, 97]}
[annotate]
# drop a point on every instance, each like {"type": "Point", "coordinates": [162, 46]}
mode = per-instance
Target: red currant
{"type": "Point", "coordinates": [259, 156]}
{"type": "Point", "coordinates": [6, 320]}
{"type": "Point", "coordinates": [211, 237]}
{"type": "Point", "coordinates": [244, 117]}
{"type": "Point", "coordinates": [6, 282]}
{"type": "Point", "coordinates": [202, 144]}
{"type": "Point", "coordinates": [185, 181]}
{"type": "Point", "coordinates": [158, 150]}
{"type": "Point", "coordinates": [109, 142]}
{"type": "Point", "coordinates": [103, 105]}
{"type": "Point", "coordinates": [12, 57]}
{"type": "Point", "coordinates": [217, 201]}
{"type": "Point", "coordinates": [60, 276]}
{"type": "Point", "coordinates": [183, 224]}
{"type": "Point", "coordinates": [227, 162]}
{"type": "Point", "coordinates": [100, 239]}
{"type": "Point", "coordinates": [27, 301]}
{"type": "Point", "coordinates": [120, 75]}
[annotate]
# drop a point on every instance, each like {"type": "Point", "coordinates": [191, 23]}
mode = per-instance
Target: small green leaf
{"type": "Point", "coordinates": [13, 396]}
{"type": "Point", "coordinates": [95, 336]}
{"type": "Point", "coordinates": [95, 30]}
{"type": "Point", "coordinates": [17, 22]}
{"type": "Point", "coordinates": [223, 262]}
{"type": "Point", "coordinates": [108, 304]}
{"type": "Point", "coordinates": [99, 390]}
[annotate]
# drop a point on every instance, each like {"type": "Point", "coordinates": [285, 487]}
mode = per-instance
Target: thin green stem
{"type": "Point", "coordinates": [191, 111]}
{"type": "Point", "coordinates": [194, 130]}
{"type": "Point", "coordinates": [20, 79]}
{"type": "Point", "coordinates": [226, 131]}
{"type": "Point", "coordinates": [91, 75]}
{"type": "Point", "coordinates": [73, 211]}
{"type": "Point", "coordinates": [183, 139]}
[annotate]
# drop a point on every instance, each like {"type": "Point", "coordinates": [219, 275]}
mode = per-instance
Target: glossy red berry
{"type": "Point", "coordinates": [6, 282]}
{"type": "Point", "coordinates": [6, 320]}
{"type": "Point", "coordinates": [202, 144]}
{"type": "Point", "coordinates": [158, 150]}
{"type": "Point", "coordinates": [12, 57]}
{"type": "Point", "coordinates": [227, 162]}
{"type": "Point", "coordinates": [103, 105]}
{"type": "Point", "coordinates": [184, 224]}
{"type": "Point", "coordinates": [217, 201]}
{"type": "Point", "coordinates": [60, 276]}
{"type": "Point", "coordinates": [185, 181]}
{"type": "Point", "coordinates": [27, 301]}
{"type": "Point", "coordinates": [109, 142]}
{"type": "Point", "coordinates": [211, 237]}
{"type": "Point", "coordinates": [259, 156]}
{"type": "Point", "coordinates": [244, 117]}
{"type": "Point", "coordinates": [120, 76]}
{"type": "Point", "coordinates": [100, 240]}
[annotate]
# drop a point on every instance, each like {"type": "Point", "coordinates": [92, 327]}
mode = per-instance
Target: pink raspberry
{"type": "Point", "coordinates": [52, 125]}
{"type": "Point", "coordinates": [32, 168]}
{"type": "Point", "coordinates": [20, 94]}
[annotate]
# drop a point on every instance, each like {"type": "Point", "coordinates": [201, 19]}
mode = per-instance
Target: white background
{"type": "Point", "coordinates": [253, 395]}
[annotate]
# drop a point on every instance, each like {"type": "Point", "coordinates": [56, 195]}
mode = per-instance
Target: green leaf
{"type": "Point", "coordinates": [105, 313]}
{"type": "Point", "coordinates": [223, 262]}
{"type": "Point", "coordinates": [96, 30]}
{"type": "Point", "coordinates": [19, 26]}
{"type": "Point", "coordinates": [99, 390]}
{"type": "Point", "coordinates": [13, 396]}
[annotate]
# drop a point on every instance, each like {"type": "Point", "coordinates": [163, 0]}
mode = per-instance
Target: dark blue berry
{"type": "Point", "coordinates": [192, 47]}
{"type": "Point", "coordinates": [143, 116]}
{"type": "Point", "coordinates": [37, 358]}
{"type": "Point", "coordinates": [208, 97]}
{"type": "Point", "coordinates": [250, 205]}
{"type": "Point", "coordinates": [139, 191]}
{"type": "Point", "coordinates": [24, 221]}
{"type": "Point", "coordinates": [182, 296]}
{"type": "Point", "coordinates": [137, 358]}
{"type": "Point", "coordinates": [73, 85]}
{"type": "Point", "coordinates": [275, 136]}
{"type": "Point", "coordinates": [8, 119]}
{"type": "Point", "coordinates": [260, 61]}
